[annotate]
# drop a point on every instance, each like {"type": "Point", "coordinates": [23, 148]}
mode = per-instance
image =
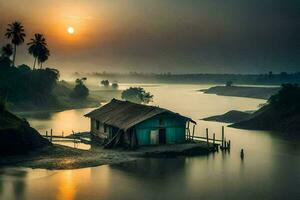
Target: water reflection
{"type": "Point", "coordinates": [151, 168]}
{"type": "Point", "coordinates": [66, 187]}
{"type": "Point", "coordinates": [65, 121]}
{"type": "Point", "coordinates": [12, 183]}
{"type": "Point", "coordinates": [270, 169]}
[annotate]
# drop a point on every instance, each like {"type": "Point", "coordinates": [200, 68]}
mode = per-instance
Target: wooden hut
{"type": "Point", "coordinates": [127, 124]}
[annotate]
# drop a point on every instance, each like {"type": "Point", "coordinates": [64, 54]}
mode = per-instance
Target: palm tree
{"type": "Point", "coordinates": [38, 47]}
{"type": "Point", "coordinates": [16, 33]}
{"type": "Point", "coordinates": [43, 56]}
{"type": "Point", "coordinates": [7, 51]}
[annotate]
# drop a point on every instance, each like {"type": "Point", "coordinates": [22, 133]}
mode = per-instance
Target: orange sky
{"type": "Point", "coordinates": [161, 36]}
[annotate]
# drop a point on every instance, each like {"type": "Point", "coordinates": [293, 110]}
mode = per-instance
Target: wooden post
{"type": "Point", "coordinates": [51, 132]}
{"type": "Point", "coordinates": [193, 132]}
{"type": "Point", "coordinates": [214, 139]}
{"type": "Point", "coordinates": [222, 136]}
{"type": "Point", "coordinates": [46, 133]}
{"type": "Point", "coordinates": [207, 140]}
{"type": "Point", "coordinates": [62, 133]}
{"type": "Point", "coordinates": [188, 128]}
{"type": "Point", "coordinates": [229, 144]}
{"type": "Point", "coordinates": [225, 143]}
{"type": "Point", "coordinates": [74, 138]}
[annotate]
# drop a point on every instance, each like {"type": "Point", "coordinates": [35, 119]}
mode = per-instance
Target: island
{"type": "Point", "coordinates": [232, 116]}
{"type": "Point", "coordinates": [242, 91]}
{"type": "Point", "coordinates": [281, 114]}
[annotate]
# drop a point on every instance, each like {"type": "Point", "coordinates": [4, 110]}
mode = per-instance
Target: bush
{"type": "Point", "coordinates": [115, 85]}
{"type": "Point", "coordinates": [137, 95]}
{"type": "Point", "coordinates": [80, 91]}
{"type": "Point", "coordinates": [105, 83]}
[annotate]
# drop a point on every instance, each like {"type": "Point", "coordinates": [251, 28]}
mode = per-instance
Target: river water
{"type": "Point", "coordinates": [270, 169]}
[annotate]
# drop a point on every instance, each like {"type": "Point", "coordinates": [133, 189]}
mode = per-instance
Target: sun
{"type": "Point", "coordinates": [71, 30]}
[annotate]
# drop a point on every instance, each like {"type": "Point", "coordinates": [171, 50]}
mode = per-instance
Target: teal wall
{"type": "Point", "coordinates": [175, 129]}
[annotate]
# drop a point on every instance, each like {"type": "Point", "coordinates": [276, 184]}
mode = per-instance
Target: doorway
{"type": "Point", "coordinates": [162, 136]}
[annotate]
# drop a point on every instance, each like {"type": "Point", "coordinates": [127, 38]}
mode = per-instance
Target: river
{"type": "Point", "coordinates": [270, 169]}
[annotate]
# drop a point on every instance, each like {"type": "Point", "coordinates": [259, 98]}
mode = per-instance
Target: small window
{"type": "Point", "coordinates": [161, 121]}
{"type": "Point", "coordinates": [97, 124]}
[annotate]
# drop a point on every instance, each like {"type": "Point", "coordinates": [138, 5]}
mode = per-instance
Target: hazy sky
{"type": "Point", "coordinates": [179, 36]}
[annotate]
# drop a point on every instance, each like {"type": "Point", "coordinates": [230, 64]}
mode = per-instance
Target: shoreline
{"type": "Point", "coordinates": [263, 93]}
{"type": "Point", "coordinates": [52, 110]}
{"type": "Point", "coordinates": [60, 157]}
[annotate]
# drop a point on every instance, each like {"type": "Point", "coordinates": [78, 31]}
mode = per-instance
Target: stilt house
{"type": "Point", "coordinates": [127, 124]}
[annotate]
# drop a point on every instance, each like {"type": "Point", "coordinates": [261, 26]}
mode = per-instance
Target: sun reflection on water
{"type": "Point", "coordinates": [67, 188]}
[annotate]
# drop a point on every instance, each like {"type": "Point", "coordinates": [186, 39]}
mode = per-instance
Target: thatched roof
{"type": "Point", "coordinates": [125, 114]}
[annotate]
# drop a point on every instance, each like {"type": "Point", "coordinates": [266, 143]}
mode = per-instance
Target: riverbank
{"type": "Point", "coordinates": [59, 157]}
{"type": "Point", "coordinates": [242, 91]}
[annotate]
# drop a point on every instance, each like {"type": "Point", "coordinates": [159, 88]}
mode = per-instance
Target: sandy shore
{"type": "Point", "coordinates": [62, 157]}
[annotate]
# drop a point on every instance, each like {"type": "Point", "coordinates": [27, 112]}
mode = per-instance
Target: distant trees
{"type": "Point", "coordinates": [105, 83]}
{"type": "Point", "coordinates": [16, 33]}
{"type": "Point", "coordinates": [115, 85]}
{"type": "Point", "coordinates": [137, 95]}
{"type": "Point", "coordinates": [80, 91]}
{"type": "Point", "coordinates": [7, 51]}
{"type": "Point", "coordinates": [38, 49]}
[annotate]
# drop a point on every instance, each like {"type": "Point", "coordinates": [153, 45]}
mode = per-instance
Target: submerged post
{"type": "Point", "coordinates": [46, 133]}
{"type": "Point", "coordinates": [214, 139]}
{"type": "Point", "coordinates": [51, 135]}
{"type": "Point", "coordinates": [242, 154]}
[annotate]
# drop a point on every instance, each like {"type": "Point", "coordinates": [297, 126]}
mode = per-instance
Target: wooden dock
{"type": "Point", "coordinates": [223, 143]}
{"type": "Point", "coordinates": [70, 138]}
